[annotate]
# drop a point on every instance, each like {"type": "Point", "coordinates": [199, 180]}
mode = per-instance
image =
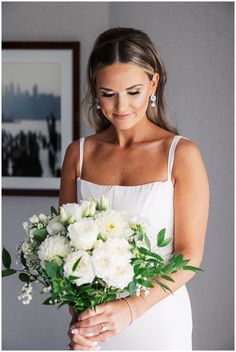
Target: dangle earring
{"type": "Point", "coordinates": [153, 99]}
{"type": "Point", "coordinates": [98, 106]}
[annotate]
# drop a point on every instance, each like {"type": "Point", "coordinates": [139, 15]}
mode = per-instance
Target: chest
{"type": "Point", "coordinates": [132, 166]}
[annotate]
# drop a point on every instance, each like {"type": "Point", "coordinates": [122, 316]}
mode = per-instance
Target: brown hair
{"type": "Point", "coordinates": [126, 45]}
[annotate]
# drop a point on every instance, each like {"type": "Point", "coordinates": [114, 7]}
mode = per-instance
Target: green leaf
{"type": "Point", "coordinates": [23, 260]}
{"type": "Point", "coordinates": [145, 283]}
{"type": "Point", "coordinates": [76, 264]}
{"type": "Point", "coordinates": [8, 272]}
{"type": "Point", "coordinates": [192, 268]}
{"type": "Point", "coordinates": [51, 269]}
{"type": "Point", "coordinates": [160, 237]}
{"type": "Point", "coordinates": [72, 278]}
{"type": "Point", "coordinates": [166, 277]}
{"type": "Point", "coordinates": [40, 234]}
{"type": "Point", "coordinates": [165, 242]}
{"type": "Point", "coordinates": [53, 211]}
{"type": "Point", "coordinates": [132, 288]}
{"type": "Point", "coordinates": [47, 301]}
{"type": "Point", "coordinates": [147, 241]}
{"type": "Point", "coordinates": [151, 254]}
{"type": "Point", "coordinates": [24, 277]}
{"type": "Point", "coordinates": [6, 258]}
{"type": "Point", "coordinates": [164, 286]}
{"type": "Point", "coordinates": [62, 304]}
{"type": "Point", "coordinates": [100, 237]}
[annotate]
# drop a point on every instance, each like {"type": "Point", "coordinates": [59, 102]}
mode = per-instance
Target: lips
{"type": "Point", "coordinates": [121, 117]}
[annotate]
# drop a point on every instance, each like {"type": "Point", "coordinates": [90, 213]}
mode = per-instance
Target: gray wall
{"type": "Point", "coordinates": [196, 42]}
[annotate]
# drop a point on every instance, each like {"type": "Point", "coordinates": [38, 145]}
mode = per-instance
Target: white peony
{"type": "Point", "coordinates": [120, 275]}
{"type": "Point", "coordinates": [102, 261]}
{"type": "Point", "coordinates": [83, 234]}
{"type": "Point", "coordinates": [84, 270]}
{"type": "Point", "coordinates": [52, 247]}
{"type": "Point", "coordinates": [55, 227]}
{"type": "Point", "coordinates": [112, 224]}
{"type": "Point", "coordinates": [119, 248]}
{"type": "Point", "coordinates": [71, 212]}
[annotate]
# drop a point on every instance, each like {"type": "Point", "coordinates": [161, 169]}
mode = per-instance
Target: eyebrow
{"type": "Point", "coordinates": [109, 89]}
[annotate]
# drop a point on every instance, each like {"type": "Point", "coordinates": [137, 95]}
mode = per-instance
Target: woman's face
{"type": "Point", "coordinates": [123, 91]}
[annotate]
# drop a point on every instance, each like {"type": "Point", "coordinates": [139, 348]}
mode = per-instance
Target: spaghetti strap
{"type": "Point", "coordinates": [172, 154]}
{"type": "Point", "coordinates": [81, 155]}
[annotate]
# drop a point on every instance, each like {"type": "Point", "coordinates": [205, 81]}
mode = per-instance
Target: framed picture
{"type": "Point", "coordinates": [40, 114]}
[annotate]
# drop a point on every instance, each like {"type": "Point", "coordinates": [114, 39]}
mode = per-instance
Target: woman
{"type": "Point", "coordinates": [138, 160]}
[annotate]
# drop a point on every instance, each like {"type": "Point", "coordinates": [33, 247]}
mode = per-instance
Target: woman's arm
{"type": "Point", "coordinates": [69, 175]}
{"type": "Point", "coordinates": [191, 204]}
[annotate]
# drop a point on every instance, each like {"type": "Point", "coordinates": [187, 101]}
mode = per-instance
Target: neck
{"type": "Point", "coordinates": [135, 134]}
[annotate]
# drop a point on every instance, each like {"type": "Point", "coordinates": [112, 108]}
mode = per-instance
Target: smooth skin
{"type": "Point", "coordinates": [134, 151]}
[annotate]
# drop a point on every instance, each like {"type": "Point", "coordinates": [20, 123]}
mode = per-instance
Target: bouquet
{"type": "Point", "coordinates": [86, 254]}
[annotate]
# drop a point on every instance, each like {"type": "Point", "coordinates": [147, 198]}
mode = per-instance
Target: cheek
{"type": "Point", "coordinates": [141, 102]}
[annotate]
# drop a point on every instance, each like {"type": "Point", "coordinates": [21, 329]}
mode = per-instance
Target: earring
{"type": "Point", "coordinates": [98, 106]}
{"type": "Point", "coordinates": [153, 99]}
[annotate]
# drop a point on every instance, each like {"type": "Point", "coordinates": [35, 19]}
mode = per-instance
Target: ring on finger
{"type": "Point", "coordinates": [104, 328]}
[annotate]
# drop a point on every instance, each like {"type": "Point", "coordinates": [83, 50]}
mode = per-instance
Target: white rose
{"type": "Point", "coordinates": [119, 248]}
{"type": "Point", "coordinates": [34, 219]}
{"type": "Point", "coordinates": [84, 269]}
{"type": "Point", "coordinates": [70, 212]}
{"type": "Point", "coordinates": [55, 227]}
{"type": "Point", "coordinates": [102, 261]}
{"type": "Point", "coordinates": [120, 274]}
{"type": "Point", "coordinates": [83, 234]}
{"type": "Point", "coordinates": [52, 247]}
{"type": "Point", "coordinates": [112, 224]}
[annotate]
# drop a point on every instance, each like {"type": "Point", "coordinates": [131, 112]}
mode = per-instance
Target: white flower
{"type": "Point", "coordinates": [55, 227]}
{"type": "Point", "coordinates": [140, 220]}
{"type": "Point", "coordinates": [43, 217]}
{"type": "Point", "coordinates": [119, 248]}
{"type": "Point", "coordinates": [25, 247]}
{"type": "Point", "coordinates": [71, 212]}
{"type": "Point", "coordinates": [31, 233]}
{"type": "Point", "coordinates": [84, 269]}
{"type": "Point", "coordinates": [26, 226]}
{"type": "Point", "coordinates": [34, 219]}
{"type": "Point", "coordinates": [52, 247]}
{"type": "Point", "coordinates": [112, 224]}
{"type": "Point", "coordinates": [102, 261]}
{"type": "Point", "coordinates": [120, 275]}
{"type": "Point", "coordinates": [83, 234]}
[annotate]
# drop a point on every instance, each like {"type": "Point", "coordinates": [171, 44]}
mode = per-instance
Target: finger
{"type": "Point", "coordinates": [76, 338]}
{"type": "Point", "coordinates": [103, 336]}
{"type": "Point", "coordinates": [91, 312]}
{"type": "Point", "coordinates": [76, 347]}
{"type": "Point", "coordinates": [90, 322]}
{"type": "Point", "coordinates": [95, 330]}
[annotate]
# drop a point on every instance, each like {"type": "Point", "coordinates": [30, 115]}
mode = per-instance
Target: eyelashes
{"type": "Point", "coordinates": [110, 95]}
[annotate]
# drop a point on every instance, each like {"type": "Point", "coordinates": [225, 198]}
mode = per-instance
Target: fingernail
{"type": "Point", "coordinates": [74, 331]}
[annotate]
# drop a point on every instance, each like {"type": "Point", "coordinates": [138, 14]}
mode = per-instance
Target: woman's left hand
{"type": "Point", "coordinates": [108, 320]}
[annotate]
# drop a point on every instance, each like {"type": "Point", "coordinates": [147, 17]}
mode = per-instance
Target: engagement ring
{"type": "Point", "coordinates": [103, 328]}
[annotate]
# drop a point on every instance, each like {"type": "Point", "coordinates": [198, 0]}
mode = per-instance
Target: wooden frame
{"type": "Point", "coordinates": [53, 65]}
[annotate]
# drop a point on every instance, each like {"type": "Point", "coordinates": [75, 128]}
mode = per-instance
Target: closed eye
{"type": "Point", "coordinates": [110, 95]}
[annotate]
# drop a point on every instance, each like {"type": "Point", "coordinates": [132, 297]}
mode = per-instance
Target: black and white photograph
{"type": "Point", "coordinates": [37, 115]}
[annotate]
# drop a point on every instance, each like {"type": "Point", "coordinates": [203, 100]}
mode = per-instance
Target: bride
{"type": "Point", "coordinates": [141, 163]}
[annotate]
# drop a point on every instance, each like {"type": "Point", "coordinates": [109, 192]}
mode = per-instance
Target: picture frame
{"type": "Point", "coordinates": [40, 114]}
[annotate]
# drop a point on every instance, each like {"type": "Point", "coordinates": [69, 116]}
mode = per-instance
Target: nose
{"type": "Point", "coordinates": [121, 104]}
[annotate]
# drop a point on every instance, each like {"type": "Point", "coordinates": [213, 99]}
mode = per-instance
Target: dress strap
{"type": "Point", "coordinates": [172, 154]}
{"type": "Point", "coordinates": [81, 155]}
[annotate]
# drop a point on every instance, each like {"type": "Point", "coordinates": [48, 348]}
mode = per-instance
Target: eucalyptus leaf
{"type": "Point", "coordinates": [6, 258]}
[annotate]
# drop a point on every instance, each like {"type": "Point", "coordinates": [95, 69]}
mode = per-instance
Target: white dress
{"type": "Point", "coordinates": [168, 324]}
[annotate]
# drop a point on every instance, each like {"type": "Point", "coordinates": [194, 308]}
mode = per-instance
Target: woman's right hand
{"type": "Point", "coordinates": [79, 341]}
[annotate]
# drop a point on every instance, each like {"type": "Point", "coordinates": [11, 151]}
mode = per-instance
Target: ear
{"type": "Point", "coordinates": [154, 82]}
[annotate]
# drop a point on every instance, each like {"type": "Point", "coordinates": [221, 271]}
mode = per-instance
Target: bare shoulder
{"type": "Point", "coordinates": [188, 161]}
